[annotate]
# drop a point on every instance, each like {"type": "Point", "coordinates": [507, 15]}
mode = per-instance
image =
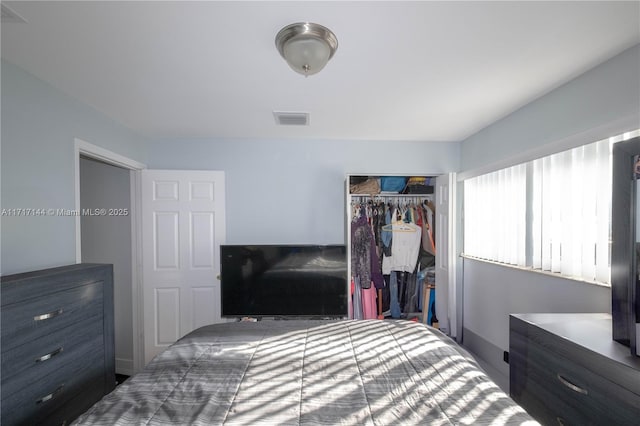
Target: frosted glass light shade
{"type": "Point", "coordinates": [306, 55]}
{"type": "Point", "coordinates": [306, 47]}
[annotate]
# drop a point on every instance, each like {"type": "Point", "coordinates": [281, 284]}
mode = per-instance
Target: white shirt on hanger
{"type": "Point", "coordinates": [405, 248]}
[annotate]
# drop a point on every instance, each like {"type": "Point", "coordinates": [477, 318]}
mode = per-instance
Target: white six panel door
{"type": "Point", "coordinates": [183, 225]}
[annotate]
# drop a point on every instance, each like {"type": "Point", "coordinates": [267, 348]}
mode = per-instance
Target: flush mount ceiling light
{"type": "Point", "coordinates": [307, 47]}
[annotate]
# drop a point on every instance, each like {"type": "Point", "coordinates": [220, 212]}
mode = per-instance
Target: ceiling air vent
{"type": "Point", "coordinates": [8, 15]}
{"type": "Point", "coordinates": [291, 118]}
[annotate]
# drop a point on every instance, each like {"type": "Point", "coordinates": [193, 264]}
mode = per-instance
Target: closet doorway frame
{"type": "Point", "coordinates": [86, 149]}
{"type": "Point", "coordinates": [454, 288]}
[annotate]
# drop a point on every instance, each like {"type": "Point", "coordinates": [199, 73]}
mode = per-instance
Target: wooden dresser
{"type": "Point", "coordinates": [57, 343]}
{"type": "Point", "coordinates": [566, 370]}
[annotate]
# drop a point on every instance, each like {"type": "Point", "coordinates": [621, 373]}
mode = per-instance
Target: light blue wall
{"type": "Point", "coordinates": [277, 191]}
{"type": "Point", "coordinates": [607, 97]}
{"type": "Point", "coordinates": [597, 98]}
{"type": "Point", "coordinates": [39, 125]}
{"type": "Point", "coordinates": [293, 191]}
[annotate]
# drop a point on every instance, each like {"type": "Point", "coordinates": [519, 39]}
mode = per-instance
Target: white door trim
{"type": "Point", "coordinates": [93, 151]}
{"type": "Point", "coordinates": [446, 301]}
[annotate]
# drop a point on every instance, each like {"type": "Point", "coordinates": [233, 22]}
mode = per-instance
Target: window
{"type": "Point", "coordinates": [494, 226]}
{"type": "Point", "coordinates": [551, 214]}
{"type": "Point", "coordinates": [571, 220]}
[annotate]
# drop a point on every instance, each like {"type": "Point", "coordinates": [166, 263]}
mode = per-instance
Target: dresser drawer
{"type": "Point", "coordinates": [548, 410]}
{"type": "Point", "coordinates": [597, 398]}
{"type": "Point", "coordinates": [566, 369]}
{"type": "Point", "coordinates": [34, 403]}
{"type": "Point", "coordinates": [25, 321]}
{"type": "Point", "coordinates": [57, 335]}
{"type": "Point", "coordinates": [73, 408]}
{"type": "Point", "coordinates": [28, 363]}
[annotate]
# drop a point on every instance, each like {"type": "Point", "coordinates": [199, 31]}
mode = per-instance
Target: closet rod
{"type": "Point", "coordinates": [391, 195]}
{"type": "Point", "coordinates": [415, 198]}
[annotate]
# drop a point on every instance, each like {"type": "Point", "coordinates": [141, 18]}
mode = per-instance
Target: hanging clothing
{"type": "Point", "coordinates": [411, 294]}
{"type": "Point", "coordinates": [377, 222]}
{"type": "Point", "coordinates": [365, 262]}
{"type": "Point", "coordinates": [357, 300]}
{"type": "Point", "coordinates": [428, 241]}
{"type": "Point", "coordinates": [405, 249]}
{"type": "Point", "coordinates": [394, 305]}
{"type": "Point", "coordinates": [420, 280]}
{"type": "Point", "coordinates": [386, 236]}
{"type": "Point", "coordinates": [352, 289]}
{"type": "Point", "coordinates": [361, 241]}
{"type": "Point", "coordinates": [369, 308]}
{"type": "Point", "coordinates": [387, 240]}
{"type": "Point", "coordinates": [376, 267]}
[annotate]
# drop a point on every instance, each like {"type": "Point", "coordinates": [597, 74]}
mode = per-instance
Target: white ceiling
{"type": "Point", "coordinates": [425, 71]}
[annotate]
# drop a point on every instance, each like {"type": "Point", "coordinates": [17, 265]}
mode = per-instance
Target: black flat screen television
{"type": "Point", "coordinates": [283, 281]}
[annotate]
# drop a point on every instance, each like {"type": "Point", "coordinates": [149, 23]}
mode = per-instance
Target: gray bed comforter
{"type": "Point", "coordinates": [309, 372]}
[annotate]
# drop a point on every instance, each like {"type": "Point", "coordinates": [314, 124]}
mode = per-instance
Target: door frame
{"type": "Point", "coordinates": [449, 256]}
{"type": "Point", "coordinates": [89, 150]}
{"type": "Point", "coordinates": [454, 290]}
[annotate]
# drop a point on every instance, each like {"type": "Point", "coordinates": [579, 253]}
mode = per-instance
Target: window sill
{"type": "Point", "coordinates": [536, 271]}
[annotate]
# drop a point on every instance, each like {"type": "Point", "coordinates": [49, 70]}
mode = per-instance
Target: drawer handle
{"type": "Point", "coordinates": [51, 395]}
{"type": "Point", "coordinates": [571, 386]}
{"type": "Point", "coordinates": [48, 315]}
{"type": "Point", "coordinates": [49, 355]}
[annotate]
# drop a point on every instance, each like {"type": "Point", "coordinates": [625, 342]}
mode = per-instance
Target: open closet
{"type": "Point", "coordinates": [391, 247]}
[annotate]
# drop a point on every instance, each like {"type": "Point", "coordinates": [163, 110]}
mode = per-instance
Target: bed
{"type": "Point", "coordinates": [367, 372]}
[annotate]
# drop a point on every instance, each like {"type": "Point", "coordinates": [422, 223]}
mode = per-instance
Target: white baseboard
{"type": "Point", "coordinates": [489, 356]}
{"type": "Point", "coordinates": [124, 366]}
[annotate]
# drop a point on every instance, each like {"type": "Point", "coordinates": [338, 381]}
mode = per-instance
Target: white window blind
{"type": "Point", "coordinates": [571, 205]}
{"type": "Point", "coordinates": [494, 226]}
{"type": "Point", "coordinates": [568, 197]}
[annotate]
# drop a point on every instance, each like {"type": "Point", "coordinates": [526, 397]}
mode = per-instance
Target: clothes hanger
{"type": "Point", "coordinates": [403, 227]}
{"type": "Point", "coordinates": [398, 225]}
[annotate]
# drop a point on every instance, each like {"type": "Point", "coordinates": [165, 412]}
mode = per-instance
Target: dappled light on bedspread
{"type": "Point", "coordinates": [310, 372]}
